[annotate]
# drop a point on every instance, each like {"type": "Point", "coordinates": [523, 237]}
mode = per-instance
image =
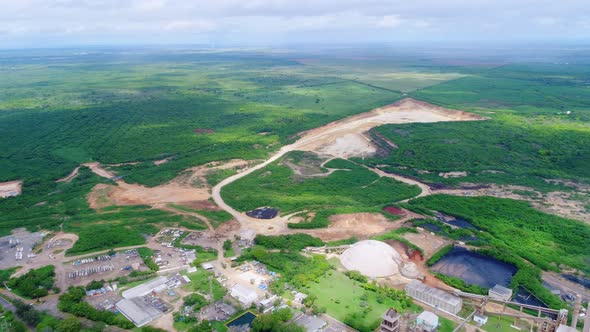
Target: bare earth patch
{"type": "Point", "coordinates": [453, 174]}
{"type": "Point", "coordinates": [360, 225]}
{"type": "Point", "coordinates": [71, 176]}
{"type": "Point", "coordinates": [11, 188]}
{"type": "Point", "coordinates": [98, 170]}
{"type": "Point", "coordinates": [345, 138]}
{"type": "Point", "coordinates": [162, 161]}
{"type": "Point", "coordinates": [180, 190]}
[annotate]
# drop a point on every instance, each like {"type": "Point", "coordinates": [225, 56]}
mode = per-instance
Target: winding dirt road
{"type": "Point", "coordinates": [407, 110]}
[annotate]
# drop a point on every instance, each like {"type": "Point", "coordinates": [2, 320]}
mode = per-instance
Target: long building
{"type": "Point", "coordinates": [434, 297]}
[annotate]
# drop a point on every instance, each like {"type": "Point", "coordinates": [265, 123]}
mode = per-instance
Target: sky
{"type": "Point", "coordinates": [47, 23]}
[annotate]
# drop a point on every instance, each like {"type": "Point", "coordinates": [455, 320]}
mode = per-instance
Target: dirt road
{"type": "Point", "coordinates": [329, 138]}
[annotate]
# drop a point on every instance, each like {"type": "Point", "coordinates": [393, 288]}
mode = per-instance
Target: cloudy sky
{"type": "Point", "coordinates": [42, 23]}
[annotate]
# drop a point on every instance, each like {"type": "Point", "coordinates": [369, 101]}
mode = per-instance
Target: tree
{"type": "Point", "coordinates": [227, 245]}
{"type": "Point", "coordinates": [275, 322]}
{"type": "Point", "coordinates": [70, 324]}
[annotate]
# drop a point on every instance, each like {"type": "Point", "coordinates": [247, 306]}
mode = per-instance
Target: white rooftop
{"type": "Point", "coordinates": [243, 294]}
{"type": "Point", "coordinates": [138, 311]}
{"type": "Point", "coordinates": [157, 285]}
{"type": "Point", "coordinates": [428, 318]}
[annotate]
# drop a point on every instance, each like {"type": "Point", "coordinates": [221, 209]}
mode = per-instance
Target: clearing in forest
{"type": "Point", "coordinates": [11, 188]}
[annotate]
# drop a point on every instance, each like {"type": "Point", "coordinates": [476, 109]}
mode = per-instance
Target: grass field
{"type": "Point", "coordinates": [343, 298]}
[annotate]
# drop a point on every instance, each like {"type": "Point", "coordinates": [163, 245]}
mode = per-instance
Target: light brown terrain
{"type": "Point", "coordinates": [11, 188]}
{"type": "Point", "coordinates": [190, 187]}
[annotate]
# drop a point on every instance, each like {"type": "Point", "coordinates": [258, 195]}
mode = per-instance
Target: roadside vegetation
{"type": "Point", "coordinates": [34, 284]}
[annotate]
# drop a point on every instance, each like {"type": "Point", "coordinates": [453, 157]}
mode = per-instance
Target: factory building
{"type": "Point", "coordinates": [434, 297]}
{"type": "Point", "coordinates": [501, 293]}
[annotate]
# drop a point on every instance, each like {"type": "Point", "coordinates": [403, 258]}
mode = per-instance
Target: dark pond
{"type": "Point", "coordinates": [523, 296]}
{"type": "Point", "coordinates": [263, 213]}
{"type": "Point", "coordinates": [578, 280]}
{"type": "Point", "coordinates": [457, 222]}
{"type": "Point", "coordinates": [474, 268]}
{"type": "Point", "coordinates": [243, 322]}
{"type": "Point", "coordinates": [431, 227]}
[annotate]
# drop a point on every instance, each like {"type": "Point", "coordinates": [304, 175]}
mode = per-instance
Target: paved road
{"type": "Point", "coordinates": [7, 305]}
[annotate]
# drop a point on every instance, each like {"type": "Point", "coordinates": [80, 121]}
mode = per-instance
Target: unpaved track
{"type": "Point", "coordinates": [404, 111]}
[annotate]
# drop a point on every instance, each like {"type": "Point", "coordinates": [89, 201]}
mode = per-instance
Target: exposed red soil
{"type": "Point", "coordinates": [394, 210]}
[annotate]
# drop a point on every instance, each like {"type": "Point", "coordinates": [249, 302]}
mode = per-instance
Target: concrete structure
{"type": "Point", "coordinates": [245, 295]}
{"type": "Point", "coordinates": [576, 313]}
{"type": "Point", "coordinates": [157, 285]}
{"type": "Point", "coordinates": [390, 322]}
{"type": "Point", "coordinates": [480, 319]}
{"type": "Point", "coordinates": [247, 234]}
{"type": "Point", "coordinates": [299, 297]}
{"type": "Point", "coordinates": [310, 323]}
{"type": "Point", "coordinates": [267, 305]}
{"type": "Point", "coordinates": [434, 297]}
{"type": "Point", "coordinates": [565, 328]}
{"type": "Point", "coordinates": [410, 270]}
{"type": "Point", "coordinates": [427, 322]}
{"type": "Point", "coordinates": [138, 311]}
{"type": "Point", "coordinates": [372, 258]}
{"type": "Point", "coordinates": [501, 293]}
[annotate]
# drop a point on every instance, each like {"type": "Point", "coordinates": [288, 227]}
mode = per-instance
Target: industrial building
{"type": "Point", "coordinates": [434, 297]}
{"type": "Point", "coordinates": [500, 292]}
{"type": "Point", "coordinates": [426, 322]}
{"type": "Point", "coordinates": [138, 311]}
{"type": "Point", "coordinates": [245, 295]}
{"type": "Point", "coordinates": [390, 322]}
{"type": "Point", "coordinates": [157, 285]}
{"type": "Point", "coordinates": [310, 323]}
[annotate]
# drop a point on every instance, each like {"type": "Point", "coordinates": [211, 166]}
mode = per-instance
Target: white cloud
{"type": "Point", "coordinates": [389, 21]}
{"type": "Point", "coordinates": [153, 21]}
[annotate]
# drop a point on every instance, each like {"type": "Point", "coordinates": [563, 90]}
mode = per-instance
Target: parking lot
{"type": "Point", "coordinates": [17, 249]}
{"type": "Point", "coordinates": [81, 271]}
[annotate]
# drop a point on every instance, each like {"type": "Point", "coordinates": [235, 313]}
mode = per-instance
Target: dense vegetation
{"type": "Point", "coordinates": [34, 284]}
{"type": "Point", "coordinates": [72, 302]}
{"type": "Point", "coordinates": [10, 322]}
{"type": "Point", "coordinates": [538, 128]}
{"type": "Point", "coordinates": [509, 149]}
{"type": "Point", "coordinates": [293, 242]}
{"type": "Point", "coordinates": [276, 321]}
{"type": "Point", "coordinates": [58, 113]}
{"type": "Point", "coordinates": [545, 240]}
{"type": "Point", "coordinates": [353, 187]}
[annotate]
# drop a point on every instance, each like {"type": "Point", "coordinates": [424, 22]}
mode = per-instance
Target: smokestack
{"type": "Point", "coordinates": [576, 312]}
